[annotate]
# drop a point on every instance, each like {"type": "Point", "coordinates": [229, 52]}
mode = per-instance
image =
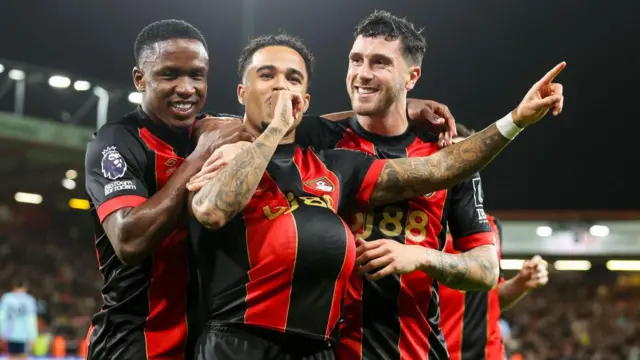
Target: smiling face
{"type": "Point", "coordinates": [379, 75]}
{"type": "Point", "coordinates": [172, 76]}
{"type": "Point", "coordinates": [271, 69]}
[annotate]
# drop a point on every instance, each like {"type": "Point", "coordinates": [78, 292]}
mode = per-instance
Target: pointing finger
{"type": "Point", "coordinates": [548, 77]}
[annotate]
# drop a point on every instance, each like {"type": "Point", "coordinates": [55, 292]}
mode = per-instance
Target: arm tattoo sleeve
{"type": "Point", "coordinates": [224, 196]}
{"type": "Point", "coordinates": [410, 177]}
{"type": "Point", "coordinates": [474, 270]}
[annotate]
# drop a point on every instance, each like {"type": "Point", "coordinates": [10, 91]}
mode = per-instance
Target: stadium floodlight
{"type": "Point", "coordinates": [28, 198]}
{"type": "Point", "coordinates": [71, 174]}
{"type": "Point", "coordinates": [103, 105]}
{"type": "Point", "coordinates": [599, 230]}
{"type": "Point", "coordinates": [17, 75]}
{"type": "Point", "coordinates": [1, 68]}
{"type": "Point", "coordinates": [544, 231]}
{"type": "Point", "coordinates": [623, 265]}
{"type": "Point", "coordinates": [511, 264]}
{"type": "Point", "coordinates": [572, 265]}
{"type": "Point", "coordinates": [79, 204]}
{"type": "Point", "coordinates": [59, 81]}
{"type": "Point", "coordinates": [82, 85]}
{"type": "Point", "coordinates": [135, 97]}
{"type": "Point", "coordinates": [68, 184]}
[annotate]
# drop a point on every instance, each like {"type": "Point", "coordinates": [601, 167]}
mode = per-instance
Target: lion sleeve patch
{"type": "Point", "coordinates": [113, 164]}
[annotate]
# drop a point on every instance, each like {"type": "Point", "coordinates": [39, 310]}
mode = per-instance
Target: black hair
{"type": "Point", "coordinates": [165, 30]}
{"type": "Point", "coordinates": [286, 40]}
{"type": "Point", "coordinates": [384, 24]}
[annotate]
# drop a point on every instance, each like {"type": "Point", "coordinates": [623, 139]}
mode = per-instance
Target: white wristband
{"type": "Point", "coordinates": [507, 127]}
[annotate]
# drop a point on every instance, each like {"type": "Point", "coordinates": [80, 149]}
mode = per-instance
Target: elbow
{"type": "Point", "coordinates": [128, 253]}
{"type": "Point", "coordinates": [209, 219]}
{"type": "Point", "coordinates": [493, 268]}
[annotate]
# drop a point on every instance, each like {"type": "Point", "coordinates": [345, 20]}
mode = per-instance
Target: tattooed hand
{"type": "Point", "coordinates": [287, 108]}
{"type": "Point", "coordinates": [226, 194]}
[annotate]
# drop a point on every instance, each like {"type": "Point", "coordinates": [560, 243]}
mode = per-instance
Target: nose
{"type": "Point", "coordinates": [364, 72]}
{"type": "Point", "coordinates": [185, 87]}
{"type": "Point", "coordinates": [280, 83]}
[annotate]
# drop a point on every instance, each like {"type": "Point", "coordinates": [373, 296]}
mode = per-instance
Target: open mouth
{"type": "Point", "coordinates": [183, 107]}
{"type": "Point", "coordinates": [364, 90]}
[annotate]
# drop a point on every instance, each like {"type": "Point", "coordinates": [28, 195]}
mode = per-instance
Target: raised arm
{"type": "Point", "coordinates": [226, 194]}
{"type": "Point", "coordinates": [135, 222]}
{"type": "Point", "coordinates": [410, 177]}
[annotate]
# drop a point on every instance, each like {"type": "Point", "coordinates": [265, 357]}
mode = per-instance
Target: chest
{"type": "Point", "coordinates": [163, 159]}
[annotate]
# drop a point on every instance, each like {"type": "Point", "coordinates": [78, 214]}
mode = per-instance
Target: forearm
{"type": "Point", "coordinates": [229, 192]}
{"type": "Point", "coordinates": [410, 177]}
{"type": "Point", "coordinates": [510, 292]}
{"type": "Point", "coordinates": [474, 270]}
{"type": "Point", "coordinates": [137, 232]}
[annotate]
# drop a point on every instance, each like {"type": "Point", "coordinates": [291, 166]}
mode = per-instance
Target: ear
{"type": "Point", "coordinates": [412, 78]}
{"type": "Point", "coordinates": [138, 79]}
{"type": "Point", "coordinates": [307, 102]}
{"type": "Point", "coordinates": [242, 92]}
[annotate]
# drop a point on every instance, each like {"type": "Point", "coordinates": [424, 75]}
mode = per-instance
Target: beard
{"type": "Point", "coordinates": [386, 98]}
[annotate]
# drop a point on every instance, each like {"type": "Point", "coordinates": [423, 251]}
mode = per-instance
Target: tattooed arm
{"type": "Point", "coordinates": [406, 178]}
{"type": "Point", "coordinates": [473, 270]}
{"type": "Point", "coordinates": [410, 177]}
{"type": "Point", "coordinates": [226, 194]}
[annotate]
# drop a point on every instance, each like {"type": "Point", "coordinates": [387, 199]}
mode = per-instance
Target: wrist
{"type": "Point", "coordinates": [426, 260]}
{"type": "Point", "coordinates": [508, 127]}
{"type": "Point", "coordinates": [520, 284]}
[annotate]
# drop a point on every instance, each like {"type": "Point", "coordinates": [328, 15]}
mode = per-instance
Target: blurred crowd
{"type": "Point", "coordinates": [590, 315]}
{"type": "Point", "coordinates": [57, 259]}
{"type": "Point", "coordinates": [593, 315]}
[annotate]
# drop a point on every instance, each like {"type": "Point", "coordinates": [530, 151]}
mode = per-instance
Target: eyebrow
{"type": "Point", "coordinates": [273, 68]}
{"type": "Point", "coordinates": [386, 58]}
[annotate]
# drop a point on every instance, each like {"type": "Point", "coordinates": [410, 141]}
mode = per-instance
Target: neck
{"type": "Point", "coordinates": [289, 137]}
{"type": "Point", "coordinates": [392, 122]}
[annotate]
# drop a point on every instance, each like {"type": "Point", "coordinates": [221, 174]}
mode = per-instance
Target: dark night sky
{"type": "Point", "coordinates": [482, 57]}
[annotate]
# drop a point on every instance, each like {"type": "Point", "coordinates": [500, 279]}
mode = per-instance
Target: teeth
{"type": "Point", "coordinates": [182, 106]}
{"type": "Point", "coordinates": [362, 90]}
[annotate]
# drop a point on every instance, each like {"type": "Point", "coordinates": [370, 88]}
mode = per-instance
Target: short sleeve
{"type": "Point", "coordinates": [319, 133]}
{"type": "Point", "coordinates": [466, 218]}
{"type": "Point", "coordinates": [114, 170]}
{"type": "Point", "coordinates": [358, 173]}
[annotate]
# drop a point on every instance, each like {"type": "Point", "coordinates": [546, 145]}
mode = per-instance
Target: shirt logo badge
{"type": "Point", "coordinates": [322, 184]}
{"type": "Point", "coordinates": [113, 164]}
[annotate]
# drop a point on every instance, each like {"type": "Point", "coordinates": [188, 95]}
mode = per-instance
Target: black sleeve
{"type": "Point", "coordinates": [318, 132]}
{"type": "Point", "coordinates": [115, 164]}
{"type": "Point", "coordinates": [358, 173]}
{"type": "Point", "coordinates": [466, 218]}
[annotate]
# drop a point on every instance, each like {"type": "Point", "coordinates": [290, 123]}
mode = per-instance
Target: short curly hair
{"type": "Point", "coordinates": [165, 30]}
{"type": "Point", "coordinates": [283, 39]}
{"type": "Point", "coordinates": [384, 24]}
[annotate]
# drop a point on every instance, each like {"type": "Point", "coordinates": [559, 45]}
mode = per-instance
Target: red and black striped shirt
{"type": "Point", "coordinates": [398, 317]}
{"type": "Point", "coordinates": [283, 263]}
{"type": "Point", "coordinates": [471, 320]}
{"type": "Point", "coordinates": [143, 314]}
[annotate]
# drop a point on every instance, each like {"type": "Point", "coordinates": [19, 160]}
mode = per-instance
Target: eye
{"type": "Point", "coordinates": [266, 76]}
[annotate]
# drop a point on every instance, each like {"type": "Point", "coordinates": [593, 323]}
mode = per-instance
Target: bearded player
{"type": "Point", "coordinates": [280, 267]}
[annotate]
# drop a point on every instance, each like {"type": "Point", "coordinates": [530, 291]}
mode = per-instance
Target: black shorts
{"type": "Point", "coordinates": [221, 342]}
{"type": "Point", "coordinates": [16, 348]}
